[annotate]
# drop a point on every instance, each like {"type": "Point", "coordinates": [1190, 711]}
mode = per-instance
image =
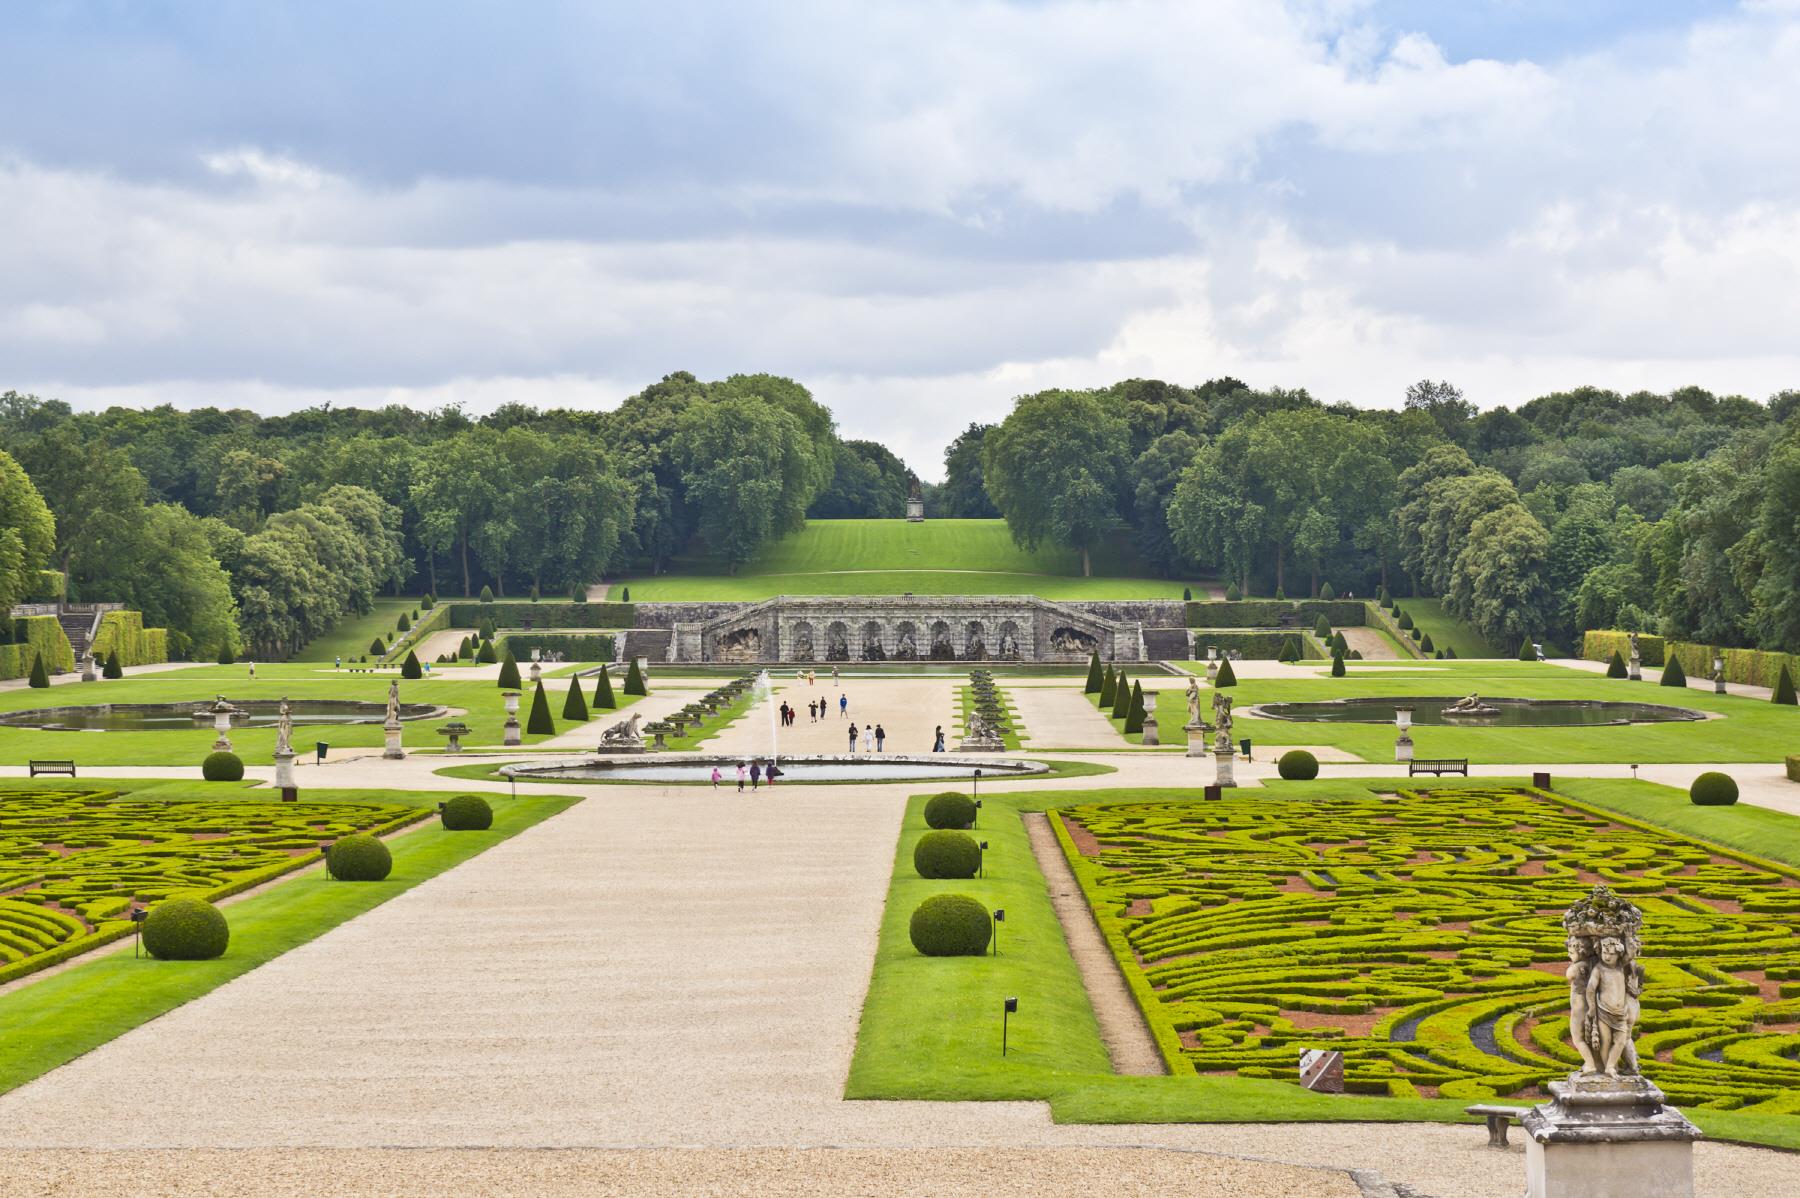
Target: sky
{"type": "Point", "coordinates": [918, 209]}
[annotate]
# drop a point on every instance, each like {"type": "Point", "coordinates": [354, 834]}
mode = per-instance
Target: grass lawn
{"type": "Point", "coordinates": [57, 1018]}
{"type": "Point", "coordinates": [1447, 632]}
{"type": "Point", "coordinates": [1169, 706]}
{"type": "Point", "coordinates": [1751, 730]}
{"type": "Point", "coordinates": [350, 637]}
{"type": "Point", "coordinates": [930, 1027]}
{"type": "Point", "coordinates": [890, 557]}
{"type": "Point", "coordinates": [478, 703]}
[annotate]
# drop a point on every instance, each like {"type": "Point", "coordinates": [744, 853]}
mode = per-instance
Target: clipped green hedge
{"type": "Point", "coordinates": [467, 813]}
{"type": "Point", "coordinates": [1600, 646]}
{"type": "Point", "coordinates": [359, 858]}
{"type": "Point", "coordinates": [222, 766]}
{"type": "Point", "coordinates": [1255, 646]}
{"type": "Point", "coordinates": [950, 809]}
{"type": "Point", "coordinates": [574, 646]}
{"type": "Point", "coordinates": [34, 637]}
{"type": "Point", "coordinates": [123, 632]}
{"type": "Point", "coordinates": [1713, 789]}
{"type": "Point", "coordinates": [1298, 765]}
{"type": "Point", "coordinates": [946, 854]}
{"type": "Point", "coordinates": [543, 615]}
{"type": "Point", "coordinates": [1752, 667]}
{"type": "Point", "coordinates": [1267, 613]}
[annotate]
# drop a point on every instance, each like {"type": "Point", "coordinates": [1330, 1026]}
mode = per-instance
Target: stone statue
{"type": "Point", "coordinates": [1222, 718]}
{"type": "Point", "coordinates": [1193, 702]}
{"type": "Point", "coordinates": [1605, 981]}
{"type": "Point", "coordinates": [1466, 703]}
{"type": "Point", "coordinates": [1636, 659]}
{"type": "Point", "coordinates": [393, 704]}
{"type": "Point", "coordinates": [623, 734]}
{"type": "Point", "coordinates": [284, 729]}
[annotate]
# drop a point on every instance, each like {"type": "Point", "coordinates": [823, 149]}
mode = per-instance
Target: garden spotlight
{"type": "Point", "coordinates": [984, 858]}
{"type": "Point", "coordinates": [999, 918]}
{"type": "Point", "coordinates": [137, 928]}
{"type": "Point", "coordinates": [1008, 1007]}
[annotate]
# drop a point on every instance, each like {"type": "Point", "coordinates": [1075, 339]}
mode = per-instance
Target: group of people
{"type": "Point", "coordinates": [874, 737]}
{"type": "Point", "coordinates": [758, 773]}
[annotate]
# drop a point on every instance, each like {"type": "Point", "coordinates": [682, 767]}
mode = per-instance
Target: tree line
{"type": "Point", "coordinates": [1673, 513]}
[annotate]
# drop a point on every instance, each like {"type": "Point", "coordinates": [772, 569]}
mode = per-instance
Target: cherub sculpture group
{"type": "Point", "coordinates": [1605, 981]}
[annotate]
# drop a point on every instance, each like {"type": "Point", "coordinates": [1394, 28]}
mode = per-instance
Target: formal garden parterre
{"type": "Point", "coordinates": [74, 863]}
{"type": "Point", "coordinates": [1419, 933]}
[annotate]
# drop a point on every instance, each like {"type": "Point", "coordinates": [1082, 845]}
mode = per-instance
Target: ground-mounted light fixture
{"type": "Point", "coordinates": [138, 915]}
{"type": "Point", "coordinates": [1008, 1008]}
{"type": "Point", "coordinates": [984, 848]}
{"type": "Point", "coordinates": [999, 918]}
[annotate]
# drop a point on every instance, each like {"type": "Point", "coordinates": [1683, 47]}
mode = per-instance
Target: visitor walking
{"type": "Point", "coordinates": [834, 676]}
{"type": "Point", "coordinates": [843, 706]}
{"type": "Point", "coordinates": [252, 671]}
{"type": "Point", "coordinates": [716, 777]}
{"type": "Point", "coordinates": [812, 679]}
{"type": "Point", "coordinates": [755, 775]}
{"type": "Point", "coordinates": [868, 738]}
{"type": "Point", "coordinates": [337, 663]}
{"type": "Point", "coordinates": [937, 744]}
{"type": "Point", "coordinates": [853, 738]}
{"type": "Point", "coordinates": [812, 712]}
{"type": "Point", "coordinates": [771, 773]}
{"type": "Point", "coordinates": [740, 777]}
{"type": "Point", "coordinates": [880, 738]}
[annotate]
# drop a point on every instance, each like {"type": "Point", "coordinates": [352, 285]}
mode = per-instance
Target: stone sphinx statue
{"type": "Point", "coordinates": [623, 735]}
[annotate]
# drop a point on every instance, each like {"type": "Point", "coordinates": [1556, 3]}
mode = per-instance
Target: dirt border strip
{"type": "Point", "coordinates": [1122, 1027]}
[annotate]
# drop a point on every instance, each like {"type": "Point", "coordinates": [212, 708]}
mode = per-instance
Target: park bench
{"type": "Point", "coordinates": [1438, 765]}
{"type": "Point", "coordinates": [52, 767]}
{"type": "Point", "coordinates": [1498, 1119]}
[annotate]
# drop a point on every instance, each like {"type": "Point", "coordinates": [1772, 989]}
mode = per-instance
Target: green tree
{"type": "Point", "coordinates": [27, 533]}
{"type": "Point", "coordinates": [1054, 468]}
{"type": "Point", "coordinates": [964, 493]}
{"type": "Point", "coordinates": [868, 482]}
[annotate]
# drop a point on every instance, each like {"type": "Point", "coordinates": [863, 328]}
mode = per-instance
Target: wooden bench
{"type": "Point", "coordinates": [52, 767]}
{"type": "Point", "coordinates": [1498, 1118]}
{"type": "Point", "coordinates": [1438, 765]}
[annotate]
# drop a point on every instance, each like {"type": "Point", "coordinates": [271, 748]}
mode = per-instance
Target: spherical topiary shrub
{"type": "Point", "coordinates": [222, 767]}
{"type": "Point", "coordinates": [185, 929]}
{"type": "Point", "coordinates": [1713, 789]}
{"type": "Point", "coordinates": [946, 855]}
{"type": "Point", "coordinates": [468, 813]}
{"type": "Point", "coordinates": [359, 858]}
{"type": "Point", "coordinates": [951, 925]}
{"type": "Point", "coordinates": [952, 809]}
{"type": "Point", "coordinates": [1297, 765]}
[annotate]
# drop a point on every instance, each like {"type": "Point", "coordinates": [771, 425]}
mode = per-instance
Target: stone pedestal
{"type": "Point", "coordinates": [537, 671]}
{"type": "Point", "coordinates": [1403, 747]}
{"type": "Point", "coordinates": [87, 670]}
{"type": "Point", "coordinates": [1635, 673]}
{"type": "Point", "coordinates": [1196, 734]}
{"type": "Point", "coordinates": [1608, 1137]}
{"type": "Point", "coordinates": [511, 735]}
{"type": "Point", "coordinates": [284, 771]}
{"type": "Point", "coordinates": [393, 751]}
{"type": "Point", "coordinates": [1718, 686]}
{"type": "Point", "coordinates": [1223, 774]}
{"type": "Point", "coordinates": [1151, 735]}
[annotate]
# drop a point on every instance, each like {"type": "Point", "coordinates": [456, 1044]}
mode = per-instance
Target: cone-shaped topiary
{"type": "Point", "coordinates": [377, 648]}
{"type": "Point", "coordinates": [487, 594]}
{"type": "Point", "coordinates": [1322, 629]}
{"type": "Point", "coordinates": [1232, 594]}
{"type": "Point", "coordinates": [185, 929]}
{"type": "Point", "coordinates": [1121, 697]}
{"type": "Point", "coordinates": [40, 677]}
{"type": "Point", "coordinates": [486, 630]}
{"type": "Point", "coordinates": [578, 593]}
{"type": "Point", "coordinates": [1134, 712]}
{"type": "Point", "coordinates": [1450, 653]}
{"type": "Point", "coordinates": [222, 766]}
{"type": "Point", "coordinates": [487, 656]}
{"type": "Point", "coordinates": [603, 693]}
{"type": "Point", "coordinates": [1281, 594]}
{"type": "Point", "coordinates": [1290, 649]}
{"type": "Point", "coordinates": [1713, 789]}
{"type": "Point", "coordinates": [534, 592]}
{"type": "Point", "coordinates": [429, 602]}
{"type": "Point", "coordinates": [539, 723]}
{"type": "Point", "coordinates": [410, 668]}
{"type": "Point", "coordinates": [1616, 667]}
{"type": "Point", "coordinates": [950, 809]}
{"type": "Point", "coordinates": [1405, 620]}
{"type": "Point", "coordinates": [1326, 593]}
{"type": "Point", "coordinates": [1356, 655]}
{"type": "Point", "coordinates": [403, 624]}
{"type": "Point", "coordinates": [1784, 688]}
{"type": "Point", "coordinates": [359, 858]}
{"type": "Point", "coordinates": [1526, 651]}
{"type": "Point", "coordinates": [1093, 679]}
{"type": "Point", "coordinates": [946, 854]}
{"type": "Point", "coordinates": [634, 680]}
{"type": "Point", "coordinates": [1337, 665]}
{"type": "Point", "coordinates": [1187, 594]}
{"type": "Point", "coordinates": [226, 656]}
{"type": "Point", "coordinates": [112, 668]}
{"type": "Point", "coordinates": [1109, 687]}
{"type": "Point", "coordinates": [1426, 644]}
{"type": "Point", "coordinates": [467, 813]}
{"type": "Point", "coordinates": [467, 648]}
{"type": "Point", "coordinates": [624, 594]}
{"type": "Point", "coordinates": [1227, 676]}
{"type": "Point", "coordinates": [1297, 765]}
{"type": "Point", "coordinates": [1439, 655]}
{"type": "Point", "coordinates": [509, 674]}
{"type": "Point", "coordinates": [1381, 597]}
{"type": "Point", "coordinates": [1673, 674]}
{"type": "Point", "coordinates": [1338, 644]}
{"type": "Point", "coordinates": [951, 925]}
{"type": "Point", "coordinates": [575, 703]}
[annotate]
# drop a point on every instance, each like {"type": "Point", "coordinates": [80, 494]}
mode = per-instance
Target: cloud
{"type": "Point", "coordinates": [920, 210]}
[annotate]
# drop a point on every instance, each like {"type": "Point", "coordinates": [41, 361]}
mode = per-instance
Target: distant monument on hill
{"type": "Point", "coordinates": [915, 505]}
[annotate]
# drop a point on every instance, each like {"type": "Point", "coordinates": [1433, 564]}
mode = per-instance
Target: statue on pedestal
{"type": "Point", "coordinates": [284, 729]}
{"type": "Point", "coordinates": [391, 725]}
{"type": "Point", "coordinates": [1193, 703]}
{"type": "Point", "coordinates": [1605, 980]}
{"type": "Point", "coordinates": [1636, 667]}
{"type": "Point", "coordinates": [1222, 719]}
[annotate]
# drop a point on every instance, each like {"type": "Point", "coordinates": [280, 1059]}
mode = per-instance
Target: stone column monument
{"type": "Point", "coordinates": [393, 752]}
{"type": "Point", "coordinates": [284, 752]}
{"type": "Point", "coordinates": [1607, 1131]}
{"type": "Point", "coordinates": [1224, 753]}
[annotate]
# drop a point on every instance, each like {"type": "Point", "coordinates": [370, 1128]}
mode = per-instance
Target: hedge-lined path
{"type": "Point", "coordinates": [1652, 675]}
{"type": "Point", "coordinates": [659, 967]}
{"type": "Point", "coordinates": [1370, 643]}
{"type": "Point", "coordinates": [1055, 715]}
{"type": "Point", "coordinates": [908, 710]}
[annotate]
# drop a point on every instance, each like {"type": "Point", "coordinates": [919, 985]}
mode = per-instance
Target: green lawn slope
{"type": "Point", "coordinates": [936, 557]}
{"type": "Point", "coordinates": [1447, 632]}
